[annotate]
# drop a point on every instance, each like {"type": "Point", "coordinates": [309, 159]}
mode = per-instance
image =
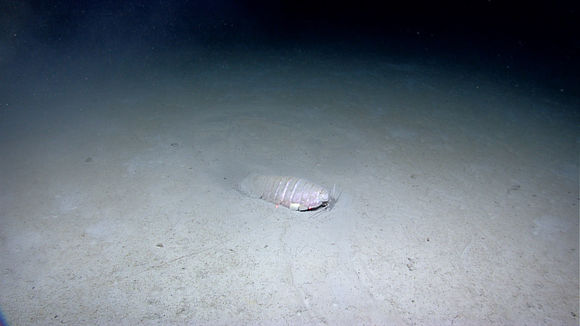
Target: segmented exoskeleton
{"type": "Point", "coordinates": [294, 193]}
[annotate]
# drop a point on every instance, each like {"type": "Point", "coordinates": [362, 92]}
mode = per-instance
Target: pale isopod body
{"type": "Point", "coordinates": [295, 193]}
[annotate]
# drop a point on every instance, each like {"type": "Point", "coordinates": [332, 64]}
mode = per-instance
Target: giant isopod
{"type": "Point", "coordinates": [295, 193]}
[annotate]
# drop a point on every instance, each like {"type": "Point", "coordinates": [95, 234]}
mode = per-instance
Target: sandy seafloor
{"type": "Point", "coordinates": [458, 206]}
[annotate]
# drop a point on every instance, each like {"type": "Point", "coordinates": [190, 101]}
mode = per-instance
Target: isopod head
{"type": "Point", "coordinates": [321, 199]}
